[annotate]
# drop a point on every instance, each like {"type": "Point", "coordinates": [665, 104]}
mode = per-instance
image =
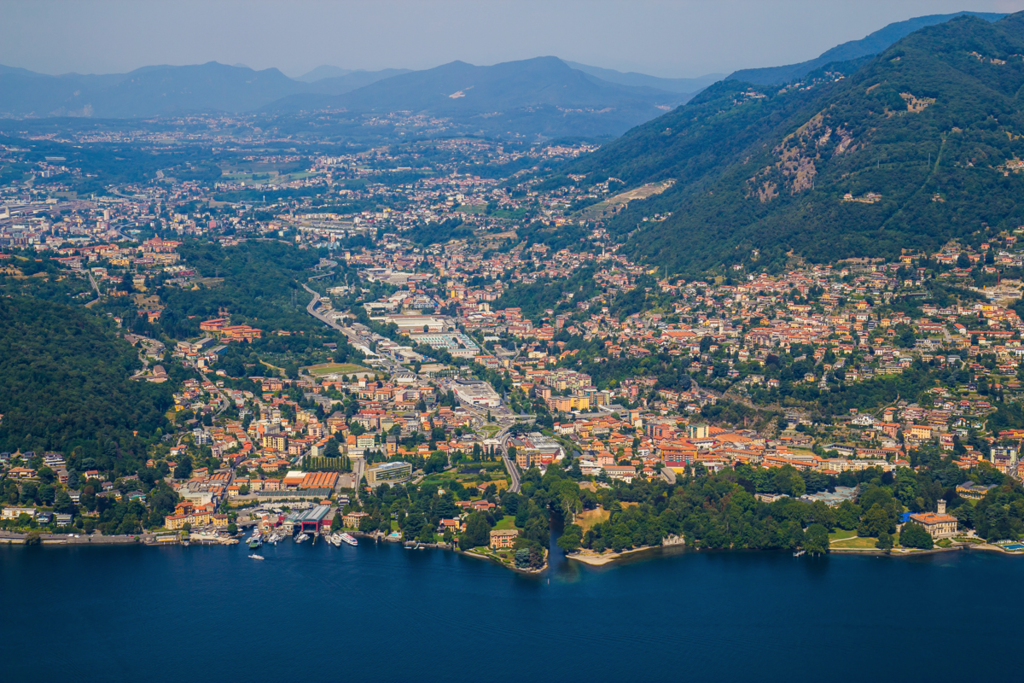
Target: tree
{"type": "Point", "coordinates": [64, 504]}
{"type": "Point", "coordinates": [884, 541]}
{"type": "Point", "coordinates": [848, 515]}
{"type": "Point", "coordinates": [571, 538]}
{"type": "Point", "coordinates": [477, 533]}
{"type": "Point", "coordinates": [88, 498]}
{"type": "Point", "coordinates": [184, 469]}
{"type": "Point", "coordinates": [816, 539]}
{"type": "Point", "coordinates": [332, 450]}
{"type": "Point", "coordinates": [915, 536]}
{"type": "Point", "coordinates": [435, 463]}
{"type": "Point", "coordinates": [875, 521]}
{"type": "Point", "coordinates": [29, 493]}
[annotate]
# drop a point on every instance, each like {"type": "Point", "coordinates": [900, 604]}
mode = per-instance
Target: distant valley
{"type": "Point", "coordinates": [536, 97]}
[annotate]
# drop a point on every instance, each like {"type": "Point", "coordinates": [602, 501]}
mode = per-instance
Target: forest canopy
{"type": "Point", "coordinates": [64, 382]}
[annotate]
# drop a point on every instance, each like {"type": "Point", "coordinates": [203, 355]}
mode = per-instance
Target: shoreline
{"type": "Point", "coordinates": [494, 560]}
{"type": "Point", "coordinates": [587, 557]}
{"type": "Point", "coordinates": [595, 560]}
{"type": "Point", "coordinates": [12, 538]}
{"type": "Point", "coordinates": [599, 560]}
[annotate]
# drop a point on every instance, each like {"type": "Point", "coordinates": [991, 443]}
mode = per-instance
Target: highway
{"type": "Point", "coordinates": [510, 466]}
{"type": "Point", "coordinates": [353, 336]}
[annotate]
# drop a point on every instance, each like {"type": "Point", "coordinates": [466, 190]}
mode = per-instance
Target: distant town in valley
{"type": "Point", "coordinates": [254, 328]}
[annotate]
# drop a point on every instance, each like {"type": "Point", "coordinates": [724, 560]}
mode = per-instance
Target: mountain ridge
{"type": "Point", "coordinates": [543, 95]}
{"type": "Point", "coordinates": [678, 85]}
{"type": "Point", "coordinates": [872, 44]}
{"type": "Point", "coordinates": [919, 137]}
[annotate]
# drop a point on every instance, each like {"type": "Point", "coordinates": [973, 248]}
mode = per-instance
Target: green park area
{"type": "Point", "coordinates": [853, 542]}
{"type": "Point", "coordinates": [323, 369]}
{"type": "Point", "coordinates": [506, 522]}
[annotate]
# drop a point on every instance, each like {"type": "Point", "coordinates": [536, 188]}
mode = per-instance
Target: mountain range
{"type": "Point", "coordinates": [542, 96]}
{"type": "Point", "coordinates": [162, 90]}
{"type": "Point", "coordinates": [864, 158]}
{"type": "Point", "coordinates": [545, 97]}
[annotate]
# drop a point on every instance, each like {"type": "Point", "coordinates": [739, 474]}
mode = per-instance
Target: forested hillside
{"type": "Point", "coordinates": [64, 384]}
{"type": "Point", "coordinates": [256, 281]}
{"type": "Point", "coordinates": [924, 139]}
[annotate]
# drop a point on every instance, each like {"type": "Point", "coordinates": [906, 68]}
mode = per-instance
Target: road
{"type": "Point", "coordinates": [353, 336]}
{"type": "Point", "coordinates": [504, 415]}
{"type": "Point", "coordinates": [358, 471]}
{"type": "Point", "coordinates": [510, 466]}
{"type": "Point", "coordinates": [92, 281]}
{"type": "Point", "coordinates": [227, 398]}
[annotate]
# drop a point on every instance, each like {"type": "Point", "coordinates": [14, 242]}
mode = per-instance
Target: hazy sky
{"type": "Point", "coordinates": [660, 37]}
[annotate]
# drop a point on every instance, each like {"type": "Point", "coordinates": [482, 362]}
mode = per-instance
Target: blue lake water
{"type": "Point", "coordinates": [382, 613]}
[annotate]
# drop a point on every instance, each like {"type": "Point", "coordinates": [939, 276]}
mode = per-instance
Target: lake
{"type": "Point", "coordinates": [383, 613]}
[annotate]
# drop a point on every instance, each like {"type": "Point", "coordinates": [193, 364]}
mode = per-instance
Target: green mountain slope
{"type": "Point", "coordinates": [929, 126]}
{"type": "Point", "coordinates": [64, 384]}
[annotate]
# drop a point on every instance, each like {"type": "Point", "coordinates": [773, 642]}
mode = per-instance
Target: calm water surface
{"type": "Point", "coordinates": [382, 613]}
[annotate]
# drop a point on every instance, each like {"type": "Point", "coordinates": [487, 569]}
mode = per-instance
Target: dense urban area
{"type": "Point", "coordinates": [214, 334]}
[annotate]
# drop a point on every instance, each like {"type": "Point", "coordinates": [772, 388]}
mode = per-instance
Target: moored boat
{"type": "Point", "coordinates": [350, 539]}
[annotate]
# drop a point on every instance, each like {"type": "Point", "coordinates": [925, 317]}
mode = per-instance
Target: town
{"type": "Point", "coordinates": [436, 344]}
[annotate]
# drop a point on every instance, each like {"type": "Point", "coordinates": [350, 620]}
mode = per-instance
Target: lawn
{"type": "Point", "coordinates": [855, 544]}
{"type": "Point", "coordinates": [335, 369]}
{"type": "Point", "coordinates": [439, 478]}
{"type": "Point", "coordinates": [588, 518]}
{"type": "Point", "coordinates": [506, 522]}
{"type": "Point", "coordinates": [841, 535]}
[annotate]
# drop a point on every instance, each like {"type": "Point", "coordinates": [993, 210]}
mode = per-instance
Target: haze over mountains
{"type": "Point", "coordinates": [920, 145]}
{"type": "Point", "coordinates": [542, 96]}
{"type": "Point", "coordinates": [161, 90]}
{"type": "Point", "coordinates": [545, 96]}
